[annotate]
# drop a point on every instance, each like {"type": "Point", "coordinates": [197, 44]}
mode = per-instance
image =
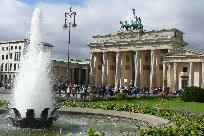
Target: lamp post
{"type": "Point", "coordinates": [68, 24]}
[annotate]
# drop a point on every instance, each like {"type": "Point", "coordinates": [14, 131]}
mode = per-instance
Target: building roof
{"type": "Point", "coordinates": [23, 41]}
{"type": "Point", "coordinates": [14, 41]}
{"type": "Point", "coordinates": [182, 51]}
{"type": "Point", "coordinates": [81, 62]}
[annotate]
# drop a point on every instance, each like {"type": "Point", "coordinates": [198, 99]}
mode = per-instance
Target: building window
{"type": "Point", "coordinates": [7, 48]}
{"type": "Point", "coordinates": [185, 69]}
{"type": "Point", "coordinates": [19, 47]}
{"type": "Point", "coordinates": [2, 66]}
{"type": "Point", "coordinates": [127, 67]}
{"type": "Point", "coordinates": [15, 47]}
{"type": "Point", "coordinates": [17, 56]}
{"type": "Point", "coordinates": [146, 67]}
{"type": "Point", "coordinates": [11, 55]}
{"type": "Point", "coordinates": [2, 48]}
{"type": "Point", "coordinates": [9, 77]}
{"type": "Point", "coordinates": [5, 80]}
{"type": "Point", "coordinates": [160, 66]}
{"type": "Point", "coordinates": [14, 77]}
{"type": "Point", "coordinates": [99, 67]}
{"type": "Point", "coordinates": [14, 66]}
{"type": "Point", "coordinates": [2, 57]}
{"type": "Point", "coordinates": [10, 67]}
{"type": "Point", "coordinates": [6, 67]}
{"type": "Point", "coordinates": [11, 47]}
{"type": "Point", "coordinates": [1, 77]}
{"type": "Point", "coordinates": [184, 83]}
{"type": "Point", "coordinates": [6, 56]}
{"type": "Point", "coordinates": [112, 67]}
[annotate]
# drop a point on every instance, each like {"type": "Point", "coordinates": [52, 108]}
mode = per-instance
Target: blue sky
{"type": "Point", "coordinates": [71, 2]}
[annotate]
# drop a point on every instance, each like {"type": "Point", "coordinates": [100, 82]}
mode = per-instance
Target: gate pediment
{"type": "Point", "coordinates": [183, 52]}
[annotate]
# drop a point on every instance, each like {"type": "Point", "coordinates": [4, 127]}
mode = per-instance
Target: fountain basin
{"type": "Point", "coordinates": [31, 122]}
{"type": "Point", "coordinates": [76, 125]}
{"type": "Point", "coordinates": [153, 120]}
{"type": "Point", "coordinates": [76, 121]}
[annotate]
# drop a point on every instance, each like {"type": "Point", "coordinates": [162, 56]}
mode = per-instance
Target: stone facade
{"type": "Point", "coordinates": [11, 52]}
{"type": "Point", "coordinates": [184, 68]}
{"type": "Point", "coordinates": [10, 56]}
{"type": "Point", "coordinates": [147, 58]}
{"type": "Point", "coordinates": [78, 71]}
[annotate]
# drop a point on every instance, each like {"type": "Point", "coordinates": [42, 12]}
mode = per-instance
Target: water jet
{"type": "Point", "coordinates": [32, 95]}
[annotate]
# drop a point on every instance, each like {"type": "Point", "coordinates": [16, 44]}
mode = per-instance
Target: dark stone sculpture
{"type": "Point", "coordinates": [31, 122]}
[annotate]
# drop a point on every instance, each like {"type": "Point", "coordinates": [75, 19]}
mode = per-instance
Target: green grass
{"type": "Point", "coordinates": [166, 103]}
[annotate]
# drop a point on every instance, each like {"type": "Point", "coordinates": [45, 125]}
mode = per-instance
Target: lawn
{"type": "Point", "coordinates": [170, 103]}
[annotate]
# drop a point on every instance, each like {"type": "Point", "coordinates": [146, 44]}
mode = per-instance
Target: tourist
{"type": "Point", "coordinates": [73, 91]}
{"type": "Point", "coordinates": [67, 92]}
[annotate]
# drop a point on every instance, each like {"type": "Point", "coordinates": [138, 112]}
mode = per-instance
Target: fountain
{"type": "Point", "coordinates": [32, 100]}
{"type": "Point", "coordinates": [32, 93]}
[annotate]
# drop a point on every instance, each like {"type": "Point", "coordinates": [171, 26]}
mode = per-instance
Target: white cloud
{"type": "Point", "coordinates": [101, 17]}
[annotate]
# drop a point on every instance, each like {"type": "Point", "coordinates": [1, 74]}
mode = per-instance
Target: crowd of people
{"type": "Point", "coordinates": [104, 90]}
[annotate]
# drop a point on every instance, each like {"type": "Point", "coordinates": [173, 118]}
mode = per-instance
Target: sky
{"type": "Point", "coordinates": [100, 17]}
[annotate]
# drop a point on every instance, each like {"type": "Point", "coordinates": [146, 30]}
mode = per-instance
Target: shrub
{"type": "Point", "coordinates": [122, 96]}
{"type": "Point", "coordinates": [193, 94]}
{"type": "Point", "coordinates": [94, 97]}
{"type": "Point", "coordinates": [4, 103]}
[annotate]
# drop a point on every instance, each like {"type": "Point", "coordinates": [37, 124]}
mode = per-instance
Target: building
{"type": "Point", "coordinates": [10, 56]}
{"type": "Point", "coordinates": [78, 71]}
{"type": "Point", "coordinates": [149, 59]}
{"type": "Point", "coordinates": [12, 51]}
{"type": "Point", "coordinates": [183, 67]}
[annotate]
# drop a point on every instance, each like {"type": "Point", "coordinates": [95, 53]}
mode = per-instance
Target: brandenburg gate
{"type": "Point", "coordinates": [132, 55]}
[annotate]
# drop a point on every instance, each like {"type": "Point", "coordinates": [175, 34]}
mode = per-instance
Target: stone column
{"type": "Point", "coordinates": [87, 74]}
{"type": "Point", "coordinates": [79, 76]}
{"type": "Point", "coordinates": [153, 71]}
{"type": "Point", "coordinates": [137, 69]}
{"type": "Point", "coordinates": [175, 87]}
{"type": "Point", "coordinates": [202, 82]}
{"type": "Point", "coordinates": [118, 69]}
{"type": "Point", "coordinates": [104, 69]}
{"type": "Point", "coordinates": [92, 69]}
{"type": "Point", "coordinates": [164, 76]}
{"type": "Point", "coordinates": [191, 75]}
{"type": "Point", "coordinates": [169, 84]}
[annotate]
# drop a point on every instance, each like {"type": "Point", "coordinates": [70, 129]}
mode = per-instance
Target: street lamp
{"type": "Point", "coordinates": [68, 24]}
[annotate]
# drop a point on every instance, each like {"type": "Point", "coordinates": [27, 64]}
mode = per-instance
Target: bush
{"type": "Point", "coordinates": [4, 103]}
{"type": "Point", "coordinates": [122, 96]}
{"type": "Point", "coordinates": [193, 94]}
{"type": "Point", "coordinates": [94, 97]}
